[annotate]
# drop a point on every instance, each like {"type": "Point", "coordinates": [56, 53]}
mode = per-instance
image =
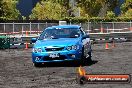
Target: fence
{"type": "Point", "coordinates": [107, 27]}
{"type": "Point", "coordinates": [20, 42]}
{"type": "Point", "coordinates": [103, 27]}
{"type": "Point", "coordinates": [99, 32]}
{"type": "Point", "coordinates": [21, 28]}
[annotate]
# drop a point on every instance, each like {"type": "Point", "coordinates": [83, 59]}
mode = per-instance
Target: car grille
{"type": "Point", "coordinates": [54, 49]}
{"type": "Point", "coordinates": [61, 57]}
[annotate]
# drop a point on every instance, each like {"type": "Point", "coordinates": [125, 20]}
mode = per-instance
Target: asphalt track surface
{"type": "Point", "coordinates": [17, 70]}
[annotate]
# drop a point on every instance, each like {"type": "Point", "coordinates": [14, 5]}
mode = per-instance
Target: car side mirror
{"type": "Point", "coordinates": [85, 36]}
{"type": "Point", "coordinates": [34, 40]}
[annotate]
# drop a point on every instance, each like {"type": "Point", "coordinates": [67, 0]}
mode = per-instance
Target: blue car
{"type": "Point", "coordinates": [61, 43]}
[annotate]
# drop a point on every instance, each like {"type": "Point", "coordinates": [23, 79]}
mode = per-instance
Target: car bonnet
{"type": "Point", "coordinates": [56, 42]}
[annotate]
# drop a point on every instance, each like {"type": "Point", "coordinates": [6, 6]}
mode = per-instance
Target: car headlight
{"type": "Point", "coordinates": [37, 50]}
{"type": "Point", "coordinates": [69, 48]}
{"type": "Point", "coordinates": [73, 47]}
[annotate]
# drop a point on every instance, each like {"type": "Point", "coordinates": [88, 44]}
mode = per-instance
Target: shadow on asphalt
{"type": "Point", "coordinates": [67, 64]}
{"type": "Point", "coordinates": [91, 63]}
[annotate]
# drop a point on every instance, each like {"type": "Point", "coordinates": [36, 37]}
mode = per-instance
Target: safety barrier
{"type": "Point", "coordinates": [25, 41]}
{"type": "Point", "coordinates": [4, 42]}
{"type": "Point", "coordinates": [109, 37]}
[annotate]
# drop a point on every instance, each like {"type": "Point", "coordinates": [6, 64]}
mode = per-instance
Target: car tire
{"type": "Point", "coordinates": [89, 58]}
{"type": "Point", "coordinates": [85, 60]}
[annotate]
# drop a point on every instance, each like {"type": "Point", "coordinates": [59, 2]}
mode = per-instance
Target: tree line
{"type": "Point", "coordinates": [60, 9]}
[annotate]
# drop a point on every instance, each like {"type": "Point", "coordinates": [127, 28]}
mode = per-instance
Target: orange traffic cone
{"type": "Point", "coordinates": [26, 46]}
{"type": "Point", "coordinates": [130, 28]}
{"type": "Point", "coordinates": [102, 30]}
{"type": "Point", "coordinates": [106, 46]}
{"type": "Point", "coordinates": [26, 33]}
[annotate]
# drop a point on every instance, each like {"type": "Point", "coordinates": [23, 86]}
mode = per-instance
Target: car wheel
{"type": "Point", "coordinates": [37, 64]}
{"type": "Point", "coordinates": [85, 59]}
{"type": "Point", "coordinates": [89, 58]}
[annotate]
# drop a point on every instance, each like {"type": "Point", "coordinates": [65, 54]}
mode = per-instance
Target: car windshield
{"type": "Point", "coordinates": [60, 33]}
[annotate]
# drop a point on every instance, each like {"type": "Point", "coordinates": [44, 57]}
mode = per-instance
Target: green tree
{"type": "Point", "coordinates": [48, 10]}
{"type": "Point", "coordinates": [126, 9]}
{"type": "Point", "coordinates": [93, 7]}
{"type": "Point", "coordinates": [64, 3]}
{"type": "Point", "coordinates": [128, 13]}
{"type": "Point", "coordinates": [1, 11]}
{"type": "Point", "coordinates": [110, 14]}
{"type": "Point", "coordinates": [8, 10]}
{"type": "Point", "coordinates": [80, 11]}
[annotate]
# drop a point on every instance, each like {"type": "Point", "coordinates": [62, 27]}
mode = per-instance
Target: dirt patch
{"type": "Point", "coordinates": [17, 70]}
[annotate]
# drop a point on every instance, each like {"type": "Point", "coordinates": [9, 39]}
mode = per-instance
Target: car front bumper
{"type": "Point", "coordinates": [63, 56]}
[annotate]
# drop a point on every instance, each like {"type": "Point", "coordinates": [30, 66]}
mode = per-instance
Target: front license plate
{"type": "Point", "coordinates": [54, 55]}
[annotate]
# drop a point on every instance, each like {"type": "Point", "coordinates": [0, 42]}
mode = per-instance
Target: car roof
{"type": "Point", "coordinates": [65, 26]}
